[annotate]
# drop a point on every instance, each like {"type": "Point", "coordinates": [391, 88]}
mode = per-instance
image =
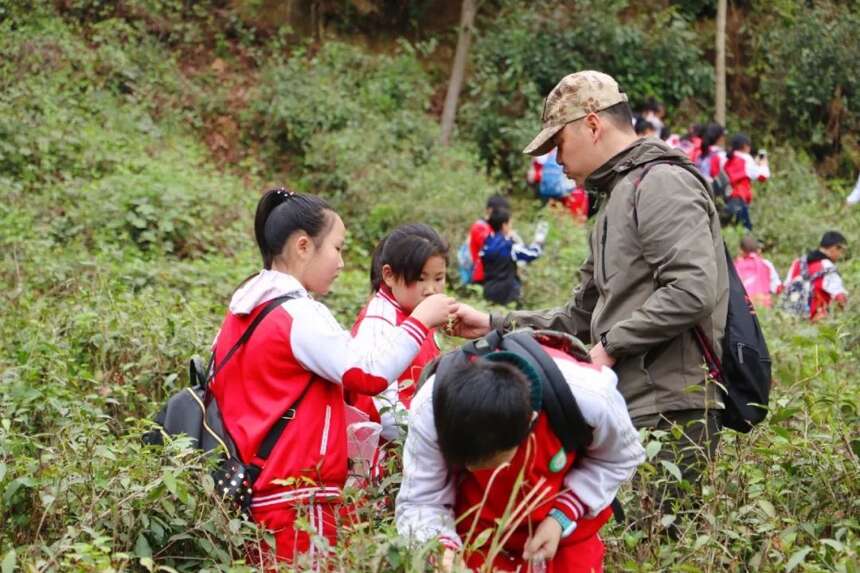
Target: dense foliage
{"type": "Point", "coordinates": [810, 75]}
{"type": "Point", "coordinates": [123, 234]}
{"type": "Point", "coordinates": [529, 47]}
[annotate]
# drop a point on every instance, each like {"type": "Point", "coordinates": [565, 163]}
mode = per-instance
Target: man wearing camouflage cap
{"type": "Point", "coordinates": [656, 267]}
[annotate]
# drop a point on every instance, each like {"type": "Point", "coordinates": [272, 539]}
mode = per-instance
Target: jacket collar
{"type": "Point", "coordinates": [385, 293]}
{"type": "Point", "coordinates": [637, 154]}
{"type": "Point", "coordinates": [265, 286]}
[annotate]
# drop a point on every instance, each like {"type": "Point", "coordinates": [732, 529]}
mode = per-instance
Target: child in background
{"type": "Point", "coordinates": [712, 157]}
{"type": "Point", "coordinates": [742, 170]}
{"type": "Point", "coordinates": [478, 234]}
{"type": "Point", "coordinates": [409, 265]}
{"type": "Point", "coordinates": [299, 362]}
{"type": "Point", "coordinates": [818, 268]}
{"type": "Point", "coordinates": [758, 274]}
{"type": "Point", "coordinates": [500, 255]}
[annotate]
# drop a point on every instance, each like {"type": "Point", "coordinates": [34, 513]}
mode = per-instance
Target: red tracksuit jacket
{"type": "Point", "coordinates": [297, 345]}
{"type": "Point", "coordinates": [377, 319]}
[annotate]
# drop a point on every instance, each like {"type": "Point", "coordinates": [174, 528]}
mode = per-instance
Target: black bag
{"type": "Point", "coordinates": [195, 413]}
{"type": "Point", "coordinates": [558, 402]}
{"type": "Point", "coordinates": [744, 370]}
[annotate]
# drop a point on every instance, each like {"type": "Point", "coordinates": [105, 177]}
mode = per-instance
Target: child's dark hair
{"type": "Point", "coordinates": [831, 238]}
{"type": "Point", "coordinates": [750, 244]}
{"type": "Point", "coordinates": [737, 142]}
{"type": "Point", "coordinates": [280, 213]}
{"type": "Point", "coordinates": [481, 410]}
{"type": "Point", "coordinates": [496, 201]}
{"type": "Point", "coordinates": [643, 125]}
{"type": "Point", "coordinates": [711, 134]}
{"type": "Point", "coordinates": [406, 250]}
{"type": "Point", "coordinates": [498, 218]}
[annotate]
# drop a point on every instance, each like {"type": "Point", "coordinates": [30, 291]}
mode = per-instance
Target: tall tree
{"type": "Point", "coordinates": [720, 98]}
{"type": "Point", "coordinates": [464, 38]}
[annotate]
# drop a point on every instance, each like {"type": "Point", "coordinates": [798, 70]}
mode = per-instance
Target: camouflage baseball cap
{"type": "Point", "coordinates": [574, 97]}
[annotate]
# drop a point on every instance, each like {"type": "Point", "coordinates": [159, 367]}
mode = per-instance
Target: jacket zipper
{"type": "Point", "coordinates": [324, 444]}
{"type": "Point", "coordinates": [603, 246]}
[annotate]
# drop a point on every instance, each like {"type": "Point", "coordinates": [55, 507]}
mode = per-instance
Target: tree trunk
{"type": "Point", "coordinates": [464, 38]}
{"type": "Point", "coordinates": [720, 99]}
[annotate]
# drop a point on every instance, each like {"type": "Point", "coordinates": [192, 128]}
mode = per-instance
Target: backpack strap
{"type": "Point", "coordinates": [648, 166]}
{"type": "Point", "coordinates": [275, 432]}
{"type": "Point", "coordinates": [563, 412]}
{"type": "Point", "coordinates": [255, 468]}
{"type": "Point", "coordinates": [270, 306]}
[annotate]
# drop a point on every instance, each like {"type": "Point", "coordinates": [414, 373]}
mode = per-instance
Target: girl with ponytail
{"type": "Point", "coordinates": [297, 366]}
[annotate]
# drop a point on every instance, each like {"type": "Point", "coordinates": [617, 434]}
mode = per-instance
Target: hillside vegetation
{"type": "Point", "coordinates": [136, 137]}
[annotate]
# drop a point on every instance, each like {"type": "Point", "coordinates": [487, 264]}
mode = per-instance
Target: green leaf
{"type": "Point", "coordinates": [235, 525]}
{"type": "Point", "coordinates": [834, 544]}
{"type": "Point", "coordinates": [653, 448]}
{"type": "Point", "coordinates": [9, 562]}
{"type": "Point", "coordinates": [142, 548]}
{"type": "Point", "coordinates": [767, 507]}
{"type": "Point", "coordinates": [482, 538]}
{"type": "Point", "coordinates": [170, 481]}
{"type": "Point", "coordinates": [797, 558]}
{"type": "Point", "coordinates": [672, 469]}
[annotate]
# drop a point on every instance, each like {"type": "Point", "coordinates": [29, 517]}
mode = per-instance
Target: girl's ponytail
{"type": "Point", "coordinates": [713, 132]}
{"type": "Point", "coordinates": [280, 213]}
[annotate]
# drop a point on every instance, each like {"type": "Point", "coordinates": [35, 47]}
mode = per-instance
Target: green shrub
{"type": "Point", "coordinates": [809, 73]}
{"type": "Point", "coordinates": [355, 126]}
{"type": "Point", "coordinates": [529, 48]}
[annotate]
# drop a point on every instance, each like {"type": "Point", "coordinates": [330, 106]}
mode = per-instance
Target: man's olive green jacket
{"type": "Point", "coordinates": [656, 269]}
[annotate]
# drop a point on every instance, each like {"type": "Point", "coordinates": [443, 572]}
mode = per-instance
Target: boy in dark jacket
{"type": "Point", "coordinates": [500, 256]}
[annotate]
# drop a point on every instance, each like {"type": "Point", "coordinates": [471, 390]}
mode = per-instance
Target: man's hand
{"type": "Point", "coordinates": [599, 356]}
{"type": "Point", "coordinates": [470, 323]}
{"type": "Point", "coordinates": [544, 543]}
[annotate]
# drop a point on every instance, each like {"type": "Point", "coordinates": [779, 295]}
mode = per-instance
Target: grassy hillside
{"type": "Point", "coordinates": [133, 146]}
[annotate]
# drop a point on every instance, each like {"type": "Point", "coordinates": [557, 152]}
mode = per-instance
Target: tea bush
{"type": "Point", "coordinates": [354, 127]}
{"type": "Point", "coordinates": [528, 48]}
{"type": "Point", "coordinates": [121, 243]}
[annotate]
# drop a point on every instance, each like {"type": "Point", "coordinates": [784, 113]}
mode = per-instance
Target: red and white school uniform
{"type": "Point", "coordinates": [374, 323]}
{"type": "Point", "coordinates": [299, 346]}
{"type": "Point", "coordinates": [825, 289]}
{"type": "Point", "coordinates": [742, 170]}
{"type": "Point", "coordinates": [759, 277]}
{"type": "Point", "coordinates": [431, 499]}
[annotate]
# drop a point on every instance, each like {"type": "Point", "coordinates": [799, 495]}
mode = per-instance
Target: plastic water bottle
{"type": "Point", "coordinates": [541, 230]}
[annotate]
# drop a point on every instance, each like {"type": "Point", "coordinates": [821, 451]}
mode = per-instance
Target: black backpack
{"type": "Point", "coordinates": [558, 401]}
{"type": "Point", "coordinates": [744, 370]}
{"type": "Point", "coordinates": [195, 413]}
